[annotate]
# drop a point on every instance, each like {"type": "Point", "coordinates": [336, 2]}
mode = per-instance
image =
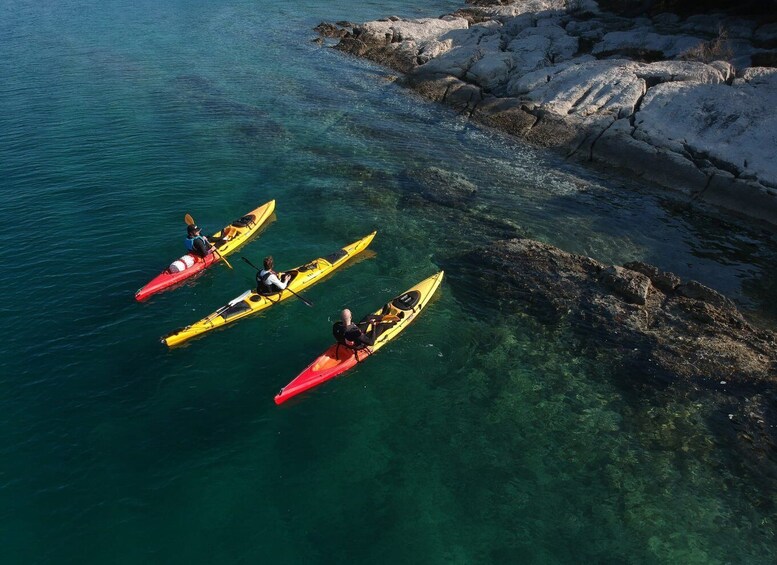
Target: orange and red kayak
{"type": "Point", "coordinates": [338, 358]}
{"type": "Point", "coordinates": [226, 240]}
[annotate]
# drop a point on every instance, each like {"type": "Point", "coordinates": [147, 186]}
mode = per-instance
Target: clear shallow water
{"type": "Point", "coordinates": [474, 438]}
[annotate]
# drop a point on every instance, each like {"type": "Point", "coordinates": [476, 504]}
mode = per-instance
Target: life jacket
{"type": "Point", "coordinates": [263, 275]}
{"type": "Point", "coordinates": [263, 286]}
{"type": "Point", "coordinates": [189, 242]}
{"type": "Point", "coordinates": [341, 335]}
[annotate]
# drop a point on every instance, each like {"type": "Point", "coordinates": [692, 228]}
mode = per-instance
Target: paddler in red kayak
{"type": "Point", "coordinates": [352, 335]}
{"type": "Point", "coordinates": [197, 244]}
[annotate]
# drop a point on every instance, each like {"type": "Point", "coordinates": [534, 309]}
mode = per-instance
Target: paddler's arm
{"type": "Point", "coordinates": [273, 279]}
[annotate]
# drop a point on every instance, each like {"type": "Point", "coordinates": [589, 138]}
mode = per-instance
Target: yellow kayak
{"type": "Point", "coordinates": [251, 301]}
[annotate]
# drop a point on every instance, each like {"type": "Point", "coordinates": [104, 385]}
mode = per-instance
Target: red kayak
{"type": "Point", "coordinates": [226, 240]}
{"type": "Point", "coordinates": [395, 317]}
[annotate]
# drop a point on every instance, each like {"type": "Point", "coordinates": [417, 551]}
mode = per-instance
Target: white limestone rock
{"type": "Point", "coordinates": [734, 128]}
{"type": "Point", "coordinates": [618, 147]}
{"type": "Point", "coordinates": [523, 84]}
{"type": "Point", "coordinates": [514, 26]}
{"type": "Point", "coordinates": [645, 40]}
{"type": "Point", "coordinates": [759, 75]}
{"type": "Point", "coordinates": [468, 46]}
{"type": "Point", "coordinates": [609, 87]}
{"type": "Point", "coordinates": [432, 49]}
{"type": "Point", "coordinates": [541, 46]}
{"type": "Point", "coordinates": [685, 124]}
{"type": "Point", "coordinates": [591, 30]}
{"type": "Point", "coordinates": [491, 71]}
{"type": "Point", "coordinates": [503, 12]}
{"type": "Point", "coordinates": [421, 30]}
{"type": "Point", "coordinates": [725, 68]}
{"type": "Point", "coordinates": [688, 71]}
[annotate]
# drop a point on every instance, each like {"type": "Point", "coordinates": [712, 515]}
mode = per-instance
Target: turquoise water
{"type": "Point", "coordinates": [476, 437]}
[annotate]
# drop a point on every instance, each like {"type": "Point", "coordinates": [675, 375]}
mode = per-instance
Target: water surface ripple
{"type": "Point", "coordinates": [474, 438]}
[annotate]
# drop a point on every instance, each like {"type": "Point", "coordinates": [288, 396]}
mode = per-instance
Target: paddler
{"type": "Point", "coordinates": [268, 281]}
{"type": "Point", "coordinates": [197, 244]}
{"type": "Point", "coordinates": [352, 335]}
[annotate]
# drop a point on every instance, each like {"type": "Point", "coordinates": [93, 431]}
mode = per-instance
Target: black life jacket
{"type": "Point", "coordinates": [347, 336]}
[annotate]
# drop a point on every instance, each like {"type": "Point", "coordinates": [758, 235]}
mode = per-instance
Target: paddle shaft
{"type": "Point", "coordinates": [216, 251]}
{"type": "Point", "coordinates": [258, 270]}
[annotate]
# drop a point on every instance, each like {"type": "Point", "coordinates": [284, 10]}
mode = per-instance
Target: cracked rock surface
{"type": "Point", "coordinates": [657, 96]}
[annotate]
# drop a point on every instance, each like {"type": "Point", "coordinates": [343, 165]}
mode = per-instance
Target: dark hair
{"type": "Point", "coordinates": [192, 229]}
{"type": "Point", "coordinates": [268, 262]}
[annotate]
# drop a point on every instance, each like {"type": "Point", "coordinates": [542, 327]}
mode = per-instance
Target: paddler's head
{"type": "Point", "coordinates": [345, 316]}
{"type": "Point", "coordinates": [193, 230]}
{"type": "Point", "coordinates": [268, 263]}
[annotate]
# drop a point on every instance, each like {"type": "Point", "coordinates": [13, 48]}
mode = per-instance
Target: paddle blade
{"type": "Point", "coordinates": [188, 219]}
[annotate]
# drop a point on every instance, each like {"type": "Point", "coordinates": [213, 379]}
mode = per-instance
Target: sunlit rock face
{"type": "Point", "coordinates": [672, 97]}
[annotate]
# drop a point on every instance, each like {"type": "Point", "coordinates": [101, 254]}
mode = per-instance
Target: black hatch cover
{"type": "Point", "coordinates": [407, 301]}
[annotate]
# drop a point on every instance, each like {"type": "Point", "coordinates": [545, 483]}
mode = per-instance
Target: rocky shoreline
{"type": "Point", "coordinates": [680, 102]}
{"type": "Point", "coordinates": [656, 328]}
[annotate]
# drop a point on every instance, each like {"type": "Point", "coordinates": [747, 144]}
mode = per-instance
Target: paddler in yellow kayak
{"type": "Point", "coordinates": [268, 281]}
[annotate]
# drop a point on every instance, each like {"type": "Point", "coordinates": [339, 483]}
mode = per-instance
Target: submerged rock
{"type": "Point", "coordinates": [439, 186]}
{"type": "Point", "coordinates": [653, 329]}
{"type": "Point", "coordinates": [668, 328]}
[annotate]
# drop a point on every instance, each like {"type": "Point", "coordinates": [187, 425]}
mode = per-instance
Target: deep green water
{"type": "Point", "coordinates": [476, 437]}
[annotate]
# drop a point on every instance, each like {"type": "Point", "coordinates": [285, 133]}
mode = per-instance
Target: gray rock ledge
{"type": "Point", "coordinates": [641, 94]}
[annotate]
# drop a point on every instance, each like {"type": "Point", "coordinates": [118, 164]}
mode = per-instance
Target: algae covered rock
{"type": "Point", "coordinates": [671, 329]}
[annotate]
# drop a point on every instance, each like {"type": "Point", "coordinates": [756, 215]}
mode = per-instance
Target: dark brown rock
{"type": "Point", "coordinates": [687, 332]}
{"type": "Point", "coordinates": [630, 285]}
{"type": "Point", "coordinates": [506, 114]}
{"type": "Point", "coordinates": [337, 31]}
{"type": "Point", "coordinates": [666, 282]}
{"type": "Point", "coordinates": [693, 289]}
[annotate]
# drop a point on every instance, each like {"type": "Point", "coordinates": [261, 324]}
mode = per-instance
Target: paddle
{"type": "Point", "coordinates": [190, 221]}
{"type": "Point", "coordinates": [384, 319]}
{"type": "Point", "coordinates": [304, 300]}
